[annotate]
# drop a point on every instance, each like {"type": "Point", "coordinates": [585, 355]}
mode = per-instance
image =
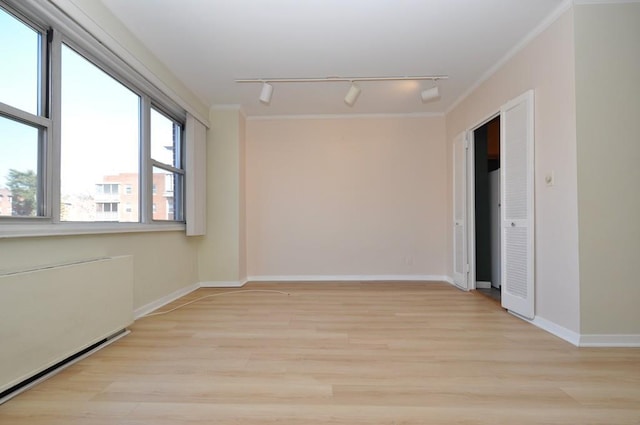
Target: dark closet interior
{"type": "Point", "coordinates": [487, 204]}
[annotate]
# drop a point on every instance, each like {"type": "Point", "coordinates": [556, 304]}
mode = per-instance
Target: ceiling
{"type": "Point", "coordinates": [209, 44]}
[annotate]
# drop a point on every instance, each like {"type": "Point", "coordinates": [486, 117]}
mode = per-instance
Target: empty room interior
{"type": "Point", "coordinates": [319, 212]}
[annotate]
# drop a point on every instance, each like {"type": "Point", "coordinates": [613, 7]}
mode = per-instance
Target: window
{"type": "Point", "coordinates": [168, 172]}
{"type": "Point", "coordinates": [23, 125]}
{"type": "Point", "coordinates": [106, 211]}
{"type": "Point", "coordinates": [91, 100]}
{"type": "Point", "coordinates": [107, 189]}
{"type": "Point", "coordinates": [119, 139]}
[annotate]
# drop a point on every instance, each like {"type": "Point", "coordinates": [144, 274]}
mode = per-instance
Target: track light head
{"type": "Point", "coordinates": [352, 95]}
{"type": "Point", "coordinates": [265, 94]}
{"type": "Point", "coordinates": [431, 94]}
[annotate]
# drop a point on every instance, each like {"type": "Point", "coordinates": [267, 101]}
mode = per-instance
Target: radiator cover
{"type": "Point", "coordinates": [48, 314]}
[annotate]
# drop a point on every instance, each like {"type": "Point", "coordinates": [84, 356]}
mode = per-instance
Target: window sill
{"type": "Point", "coordinates": [67, 229]}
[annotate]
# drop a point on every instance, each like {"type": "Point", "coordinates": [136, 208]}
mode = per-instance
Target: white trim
{"type": "Point", "coordinates": [154, 305]}
{"type": "Point", "coordinates": [480, 284]}
{"type": "Point", "coordinates": [223, 284]}
{"type": "Point", "coordinates": [553, 328]}
{"type": "Point", "coordinates": [227, 107]}
{"type": "Point", "coordinates": [583, 2]}
{"type": "Point", "coordinates": [610, 340]}
{"type": "Point", "coordinates": [8, 230]}
{"type": "Point", "coordinates": [349, 278]}
{"type": "Point", "coordinates": [622, 340]}
{"type": "Point", "coordinates": [546, 23]}
{"type": "Point", "coordinates": [344, 116]}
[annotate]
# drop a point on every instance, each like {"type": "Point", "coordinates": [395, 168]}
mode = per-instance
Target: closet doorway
{"type": "Point", "coordinates": [486, 139]}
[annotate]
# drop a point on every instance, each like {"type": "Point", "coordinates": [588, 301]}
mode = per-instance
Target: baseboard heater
{"type": "Point", "coordinates": [53, 315]}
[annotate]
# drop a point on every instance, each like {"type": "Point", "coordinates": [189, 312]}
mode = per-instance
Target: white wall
{"type": "Point", "coordinates": [221, 253]}
{"type": "Point", "coordinates": [608, 128]}
{"type": "Point", "coordinates": [545, 65]}
{"type": "Point", "coordinates": [346, 197]}
{"type": "Point", "coordinates": [163, 262]}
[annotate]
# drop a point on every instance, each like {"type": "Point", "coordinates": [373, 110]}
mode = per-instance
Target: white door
{"type": "Point", "coordinates": [460, 267]}
{"type": "Point", "coordinates": [517, 236]}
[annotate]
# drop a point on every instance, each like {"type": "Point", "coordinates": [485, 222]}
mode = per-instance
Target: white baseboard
{"type": "Point", "coordinates": [587, 340]}
{"type": "Point", "coordinates": [482, 284]}
{"type": "Point", "coordinates": [555, 329]}
{"type": "Point", "coordinates": [448, 279]}
{"type": "Point", "coordinates": [347, 278]}
{"type": "Point", "coordinates": [613, 340]}
{"type": "Point", "coordinates": [223, 284]}
{"type": "Point", "coordinates": [148, 308]}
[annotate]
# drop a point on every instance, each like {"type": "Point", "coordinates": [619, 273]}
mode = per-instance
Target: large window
{"type": "Point", "coordinates": [23, 126]}
{"type": "Point", "coordinates": [99, 140]}
{"type": "Point", "coordinates": [79, 138]}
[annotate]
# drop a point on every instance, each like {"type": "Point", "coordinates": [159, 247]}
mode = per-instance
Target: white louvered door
{"type": "Point", "coordinates": [460, 268]}
{"type": "Point", "coordinates": [517, 232]}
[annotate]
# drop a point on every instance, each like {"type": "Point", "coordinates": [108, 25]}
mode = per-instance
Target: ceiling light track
{"type": "Point", "coordinates": [341, 79]}
{"type": "Point", "coordinates": [427, 95]}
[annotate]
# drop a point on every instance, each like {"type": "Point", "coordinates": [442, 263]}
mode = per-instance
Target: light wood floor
{"type": "Point", "coordinates": [327, 353]}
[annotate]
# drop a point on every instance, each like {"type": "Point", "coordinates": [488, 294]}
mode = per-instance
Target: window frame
{"type": "Point", "coordinates": [179, 193]}
{"type": "Point", "coordinates": [57, 28]}
{"type": "Point", "coordinates": [41, 120]}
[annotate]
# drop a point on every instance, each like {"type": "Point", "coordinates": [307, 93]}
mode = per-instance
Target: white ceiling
{"type": "Point", "coordinates": [209, 44]}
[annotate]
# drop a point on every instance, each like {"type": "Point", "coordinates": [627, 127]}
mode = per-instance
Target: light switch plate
{"type": "Point", "coordinates": [549, 179]}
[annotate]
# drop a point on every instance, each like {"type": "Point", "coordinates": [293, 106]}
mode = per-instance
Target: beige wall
{"type": "Point", "coordinates": [346, 197]}
{"type": "Point", "coordinates": [221, 254]}
{"type": "Point", "coordinates": [545, 65]}
{"type": "Point", "coordinates": [163, 262]}
{"type": "Point", "coordinates": [608, 128]}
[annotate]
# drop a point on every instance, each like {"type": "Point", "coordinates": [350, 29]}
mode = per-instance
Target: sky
{"type": "Point", "coordinates": [100, 127]}
{"type": "Point", "coordinates": [18, 88]}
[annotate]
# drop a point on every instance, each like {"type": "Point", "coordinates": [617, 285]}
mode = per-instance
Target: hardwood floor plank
{"type": "Point", "coordinates": [338, 353]}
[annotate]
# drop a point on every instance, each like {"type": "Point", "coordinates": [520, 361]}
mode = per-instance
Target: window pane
{"type": "Point", "coordinates": [99, 145]}
{"type": "Point", "coordinates": [165, 139]}
{"type": "Point", "coordinates": [19, 178]}
{"type": "Point", "coordinates": [169, 189]}
{"type": "Point", "coordinates": [19, 53]}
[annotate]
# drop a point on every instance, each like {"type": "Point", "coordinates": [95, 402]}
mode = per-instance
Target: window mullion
{"type": "Point", "coordinates": [23, 116]}
{"type": "Point", "coordinates": [53, 202]}
{"type": "Point", "coordinates": [166, 167]}
{"type": "Point", "coordinates": [146, 166]}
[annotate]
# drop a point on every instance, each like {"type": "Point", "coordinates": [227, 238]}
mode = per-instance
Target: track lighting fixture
{"type": "Point", "coordinates": [265, 94]}
{"type": "Point", "coordinates": [352, 95]}
{"type": "Point", "coordinates": [431, 94]}
{"type": "Point", "coordinates": [427, 95]}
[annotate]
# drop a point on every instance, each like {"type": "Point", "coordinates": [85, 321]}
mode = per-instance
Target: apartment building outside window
{"type": "Point", "coordinates": [78, 139]}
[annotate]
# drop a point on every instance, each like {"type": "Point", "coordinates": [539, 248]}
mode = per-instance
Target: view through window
{"type": "Point", "coordinates": [100, 142]}
{"type": "Point", "coordinates": [20, 139]}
